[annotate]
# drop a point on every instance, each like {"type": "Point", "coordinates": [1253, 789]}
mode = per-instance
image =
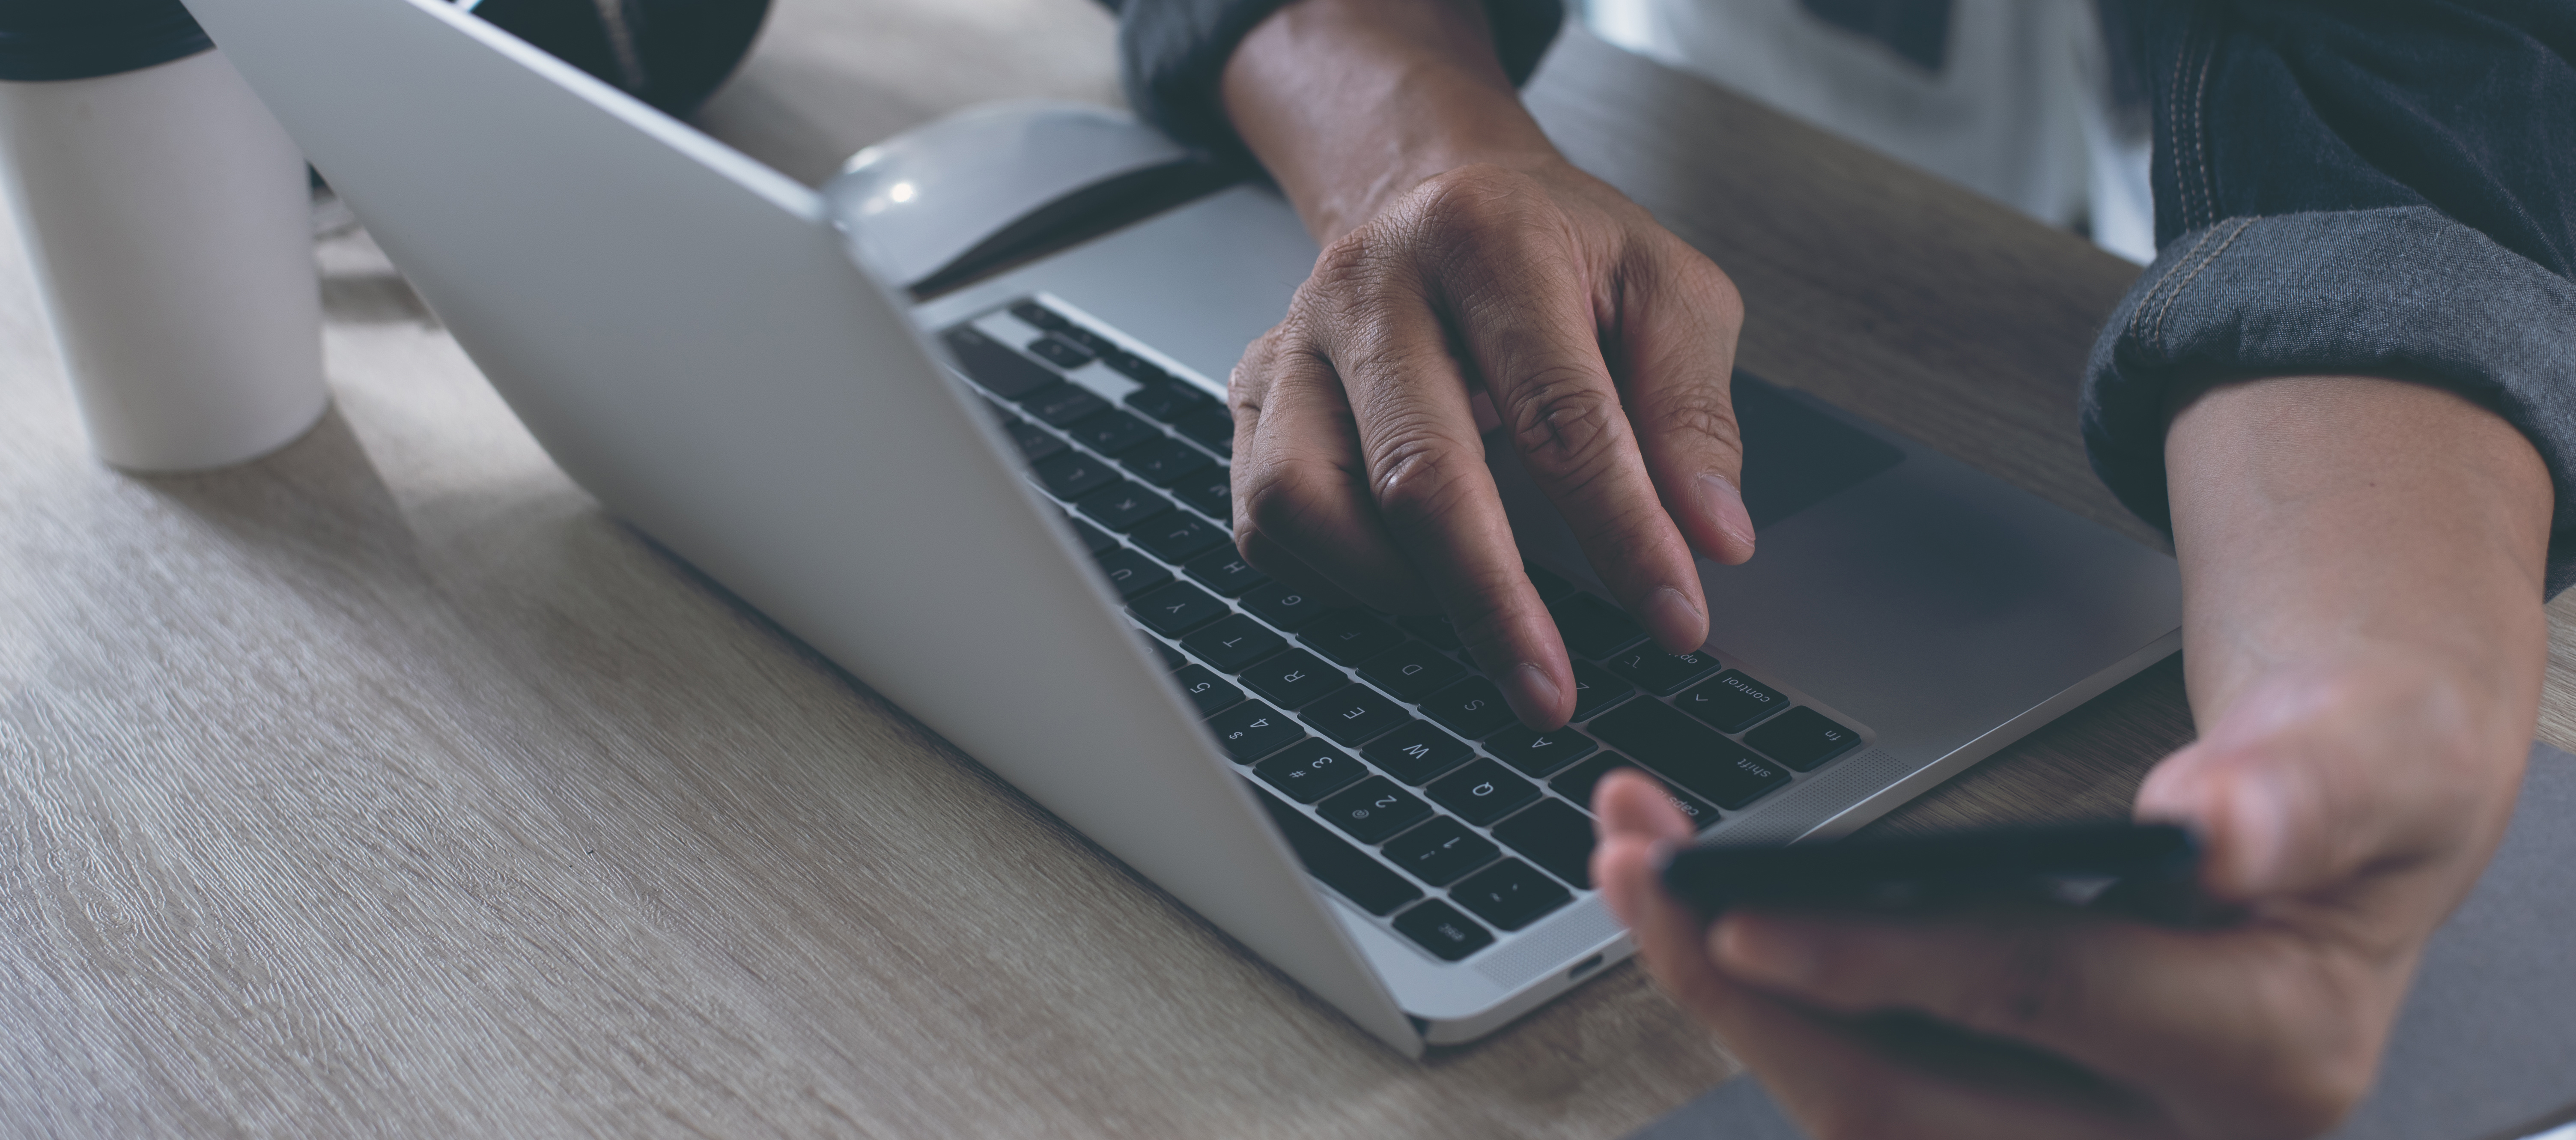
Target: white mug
{"type": "Point", "coordinates": [169, 223]}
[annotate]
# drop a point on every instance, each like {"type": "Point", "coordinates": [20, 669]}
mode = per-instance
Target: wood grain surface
{"type": "Point", "coordinates": [385, 786]}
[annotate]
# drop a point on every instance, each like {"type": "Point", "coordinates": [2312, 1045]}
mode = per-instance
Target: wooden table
{"type": "Point", "coordinates": [386, 787]}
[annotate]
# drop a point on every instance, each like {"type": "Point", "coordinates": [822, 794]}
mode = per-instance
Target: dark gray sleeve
{"type": "Point", "coordinates": [1172, 53]}
{"type": "Point", "coordinates": [2383, 190]}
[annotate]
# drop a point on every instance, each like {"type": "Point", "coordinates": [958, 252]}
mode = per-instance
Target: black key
{"type": "Point", "coordinates": [1441, 851]}
{"type": "Point", "coordinates": [1731, 702]}
{"type": "Point", "coordinates": [1172, 658]}
{"type": "Point", "coordinates": [1349, 636]}
{"type": "Point", "coordinates": [992, 364]}
{"type": "Point", "coordinates": [1510, 895]}
{"type": "Point", "coordinates": [1578, 781]}
{"type": "Point", "coordinates": [1162, 460]}
{"type": "Point", "coordinates": [1209, 493]}
{"type": "Point", "coordinates": [1036, 314]}
{"type": "Point", "coordinates": [1416, 752]}
{"type": "Point", "coordinates": [1211, 426]}
{"type": "Point", "coordinates": [1471, 708]}
{"type": "Point", "coordinates": [1354, 713]}
{"type": "Point", "coordinates": [1659, 672]}
{"type": "Point", "coordinates": [1310, 770]}
{"type": "Point", "coordinates": [1135, 367]}
{"type": "Point", "coordinates": [1091, 342]}
{"type": "Point", "coordinates": [1481, 792]}
{"type": "Point", "coordinates": [1434, 628]}
{"type": "Point", "coordinates": [1373, 810]}
{"type": "Point", "coordinates": [1207, 690]}
{"type": "Point", "coordinates": [1681, 750]}
{"type": "Point", "coordinates": [1225, 572]}
{"type": "Point", "coordinates": [1802, 738]}
{"type": "Point", "coordinates": [1168, 400]}
{"type": "Point", "coordinates": [1234, 642]}
{"type": "Point", "coordinates": [1113, 432]}
{"type": "Point", "coordinates": [1593, 628]}
{"type": "Point", "coordinates": [1437, 927]}
{"type": "Point", "coordinates": [1281, 606]}
{"type": "Point", "coordinates": [1093, 538]}
{"type": "Point", "coordinates": [1035, 443]}
{"type": "Point", "coordinates": [1539, 753]}
{"type": "Point", "coordinates": [1549, 586]}
{"type": "Point", "coordinates": [1252, 730]}
{"type": "Point", "coordinates": [1062, 404]}
{"type": "Point", "coordinates": [1411, 671]}
{"type": "Point", "coordinates": [1294, 679]}
{"type": "Point", "coordinates": [1177, 609]}
{"type": "Point", "coordinates": [1177, 536]}
{"type": "Point", "coordinates": [1073, 475]}
{"type": "Point", "coordinates": [1062, 353]}
{"type": "Point", "coordinates": [1554, 836]}
{"type": "Point", "coordinates": [1130, 573]}
{"type": "Point", "coordinates": [1332, 859]}
{"type": "Point", "coordinates": [1121, 505]}
{"type": "Point", "coordinates": [1596, 689]}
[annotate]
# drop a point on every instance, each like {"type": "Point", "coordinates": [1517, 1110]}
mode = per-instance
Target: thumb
{"type": "Point", "coordinates": [2305, 785]}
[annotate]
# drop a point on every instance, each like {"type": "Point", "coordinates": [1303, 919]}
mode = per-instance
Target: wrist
{"type": "Point", "coordinates": [2351, 533]}
{"type": "Point", "coordinates": [1351, 104]}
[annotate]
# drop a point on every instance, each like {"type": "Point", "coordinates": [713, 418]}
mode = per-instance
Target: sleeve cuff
{"type": "Point", "coordinates": [2404, 293]}
{"type": "Point", "coordinates": [1173, 55]}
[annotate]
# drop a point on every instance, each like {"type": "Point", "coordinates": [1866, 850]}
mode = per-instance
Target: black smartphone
{"type": "Point", "coordinates": [2144, 869]}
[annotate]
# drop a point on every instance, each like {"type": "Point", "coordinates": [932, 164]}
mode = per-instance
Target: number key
{"type": "Point", "coordinates": [1252, 730]}
{"type": "Point", "coordinates": [1373, 810]}
{"type": "Point", "coordinates": [1206, 690]}
{"type": "Point", "coordinates": [1441, 851]}
{"type": "Point", "coordinates": [1309, 771]}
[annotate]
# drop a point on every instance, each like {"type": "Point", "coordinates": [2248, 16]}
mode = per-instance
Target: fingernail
{"type": "Point", "coordinates": [1678, 626]}
{"type": "Point", "coordinates": [1725, 506]}
{"type": "Point", "coordinates": [1531, 693]}
{"type": "Point", "coordinates": [1761, 949]}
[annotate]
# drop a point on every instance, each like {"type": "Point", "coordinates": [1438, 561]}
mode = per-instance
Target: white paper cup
{"type": "Point", "coordinates": [169, 223]}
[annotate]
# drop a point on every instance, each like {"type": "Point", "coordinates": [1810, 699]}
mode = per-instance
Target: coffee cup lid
{"type": "Point", "coordinates": [77, 39]}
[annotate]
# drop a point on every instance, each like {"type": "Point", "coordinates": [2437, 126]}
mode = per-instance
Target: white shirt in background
{"type": "Point", "coordinates": [2021, 109]}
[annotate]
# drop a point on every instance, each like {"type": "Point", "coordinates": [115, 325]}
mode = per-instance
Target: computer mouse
{"type": "Point", "coordinates": [973, 185]}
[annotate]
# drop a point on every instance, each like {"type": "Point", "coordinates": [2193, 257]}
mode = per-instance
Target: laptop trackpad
{"type": "Point", "coordinates": [1796, 456]}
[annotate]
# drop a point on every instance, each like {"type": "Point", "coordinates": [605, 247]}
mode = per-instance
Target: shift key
{"type": "Point", "coordinates": [1682, 750]}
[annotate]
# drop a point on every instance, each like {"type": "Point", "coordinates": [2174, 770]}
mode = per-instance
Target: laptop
{"type": "Point", "coordinates": [1003, 509]}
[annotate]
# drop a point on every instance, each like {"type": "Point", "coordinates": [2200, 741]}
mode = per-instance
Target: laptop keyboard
{"type": "Point", "coordinates": [1395, 769]}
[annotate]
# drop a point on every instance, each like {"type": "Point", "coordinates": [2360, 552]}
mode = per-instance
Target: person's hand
{"type": "Point", "coordinates": [1541, 298]}
{"type": "Point", "coordinates": [2345, 813]}
{"type": "Point", "coordinates": [1471, 279]}
{"type": "Point", "coordinates": [2363, 638]}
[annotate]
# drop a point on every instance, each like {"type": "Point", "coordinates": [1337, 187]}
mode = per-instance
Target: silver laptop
{"type": "Point", "coordinates": [1003, 509]}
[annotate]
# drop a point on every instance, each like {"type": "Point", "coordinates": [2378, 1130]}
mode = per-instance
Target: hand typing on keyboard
{"type": "Point", "coordinates": [1490, 278]}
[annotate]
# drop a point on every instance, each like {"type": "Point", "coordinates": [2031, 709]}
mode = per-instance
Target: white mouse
{"type": "Point", "coordinates": [919, 202]}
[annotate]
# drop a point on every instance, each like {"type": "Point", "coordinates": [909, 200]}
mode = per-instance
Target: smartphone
{"type": "Point", "coordinates": [2146, 869]}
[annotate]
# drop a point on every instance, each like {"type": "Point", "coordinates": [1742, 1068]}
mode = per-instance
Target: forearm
{"type": "Point", "coordinates": [1350, 103]}
{"type": "Point", "coordinates": [2328, 521]}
